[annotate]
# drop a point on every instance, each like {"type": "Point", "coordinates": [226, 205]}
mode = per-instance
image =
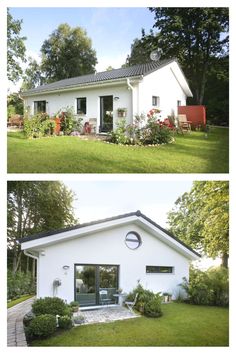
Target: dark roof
{"type": "Point", "coordinates": [128, 72]}
{"type": "Point", "coordinates": [96, 222]}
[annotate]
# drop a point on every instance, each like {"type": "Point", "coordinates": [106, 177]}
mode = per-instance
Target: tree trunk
{"type": "Point", "coordinates": [224, 260]}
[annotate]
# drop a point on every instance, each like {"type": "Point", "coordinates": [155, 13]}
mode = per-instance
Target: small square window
{"type": "Point", "coordinates": [155, 101]}
{"type": "Point", "coordinates": [81, 105]}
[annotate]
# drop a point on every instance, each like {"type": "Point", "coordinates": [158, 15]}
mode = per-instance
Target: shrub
{"type": "Point", "coordinates": [209, 287]}
{"type": "Point", "coordinates": [68, 121]}
{"type": "Point", "coordinates": [42, 326]}
{"type": "Point", "coordinates": [28, 318]}
{"type": "Point", "coordinates": [19, 284]}
{"type": "Point", "coordinates": [145, 297]}
{"type": "Point", "coordinates": [38, 126]}
{"type": "Point", "coordinates": [50, 305]}
{"type": "Point", "coordinates": [152, 308]}
{"type": "Point", "coordinates": [119, 136]}
{"type": "Point", "coordinates": [65, 322]}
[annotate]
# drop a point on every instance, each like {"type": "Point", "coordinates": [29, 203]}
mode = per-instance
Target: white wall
{"type": "Point", "coordinates": [108, 247]}
{"type": "Point", "coordinates": [58, 101]}
{"type": "Point", "coordinates": [161, 83]}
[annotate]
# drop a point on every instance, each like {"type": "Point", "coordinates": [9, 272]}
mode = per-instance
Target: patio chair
{"type": "Point", "coordinates": [184, 124]}
{"type": "Point", "coordinates": [131, 304]}
{"type": "Point", "coordinates": [104, 299]}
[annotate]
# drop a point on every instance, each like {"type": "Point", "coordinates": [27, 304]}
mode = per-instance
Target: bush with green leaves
{"type": "Point", "coordinates": [38, 126]}
{"type": "Point", "coordinates": [119, 135]}
{"type": "Point", "coordinates": [65, 322]}
{"type": "Point", "coordinates": [50, 305]}
{"type": "Point", "coordinates": [152, 308]}
{"type": "Point", "coordinates": [209, 287]}
{"type": "Point", "coordinates": [68, 121]}
{"type": "Point", "coordinates": [42, 326]}
{"type": "Point", "coordinates": [19, 284]}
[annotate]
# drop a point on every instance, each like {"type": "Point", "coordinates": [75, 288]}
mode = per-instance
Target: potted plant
{"type": "Point", "coordinates": [74, 306]}
{"type": "Point", "coordinates": [122, 112]}
{"type": "Point", "coordinates": [78, 319]}
{"type": "Point", "coordinates": [167, 297]}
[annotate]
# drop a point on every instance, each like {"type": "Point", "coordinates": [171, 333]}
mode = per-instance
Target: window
{"type": "Point", "coordinates": [39, 107]}
{"type": "Point", "coordinates": [81, 105]}
{"type": "Point", "coordinates": [156, 101]}
{"type": "Point", "coordinates": [133, 240]}
{"type": "Point", "coordinates": [178, 103]}
{"type": "Point", "coordinates": [159, 269]}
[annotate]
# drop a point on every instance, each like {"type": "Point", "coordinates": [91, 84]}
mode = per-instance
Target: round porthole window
{"type": "Point", "coordinates": [133, 240]}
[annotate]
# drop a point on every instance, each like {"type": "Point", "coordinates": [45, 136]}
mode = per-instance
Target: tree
{"type": "Point", "coordinates": [14, 104]}
{"type": "Point", "coordinates": [34, 207]}
{"type": "Point", "coordinates": [200, 218]}
{"type": "Point", "coordinates": [195, 36]}
{"type": "Point", "coordinates": [15, 48]}
{"type": "Point", "coordinates": [33, 76]}
{"type": "Point", "coordinates": [67, 53]}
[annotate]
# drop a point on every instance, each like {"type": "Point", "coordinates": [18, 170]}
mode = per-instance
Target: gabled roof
{"type": "Point", "coordinates": [105, 76]}
{"type": "Point", "coordinates": [85, 228]}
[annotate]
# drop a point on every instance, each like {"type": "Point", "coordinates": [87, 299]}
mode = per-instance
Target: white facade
{"type": "Point", "coordinates": [167, 84]}
{"type": "Point", "coordinates": [104, 244]}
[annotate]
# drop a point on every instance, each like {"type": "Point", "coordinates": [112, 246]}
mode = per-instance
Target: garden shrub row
{"type": "Point", "coordinates": [150, 131]}
{"type": "Point", "coordinates": [47, 315]}
{"type": "Point", "coordinates": [18, 284]}
{"type": "Point", "coordinates": [209, 287]}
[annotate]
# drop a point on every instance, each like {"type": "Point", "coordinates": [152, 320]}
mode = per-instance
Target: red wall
{"type": "Point", "coordinates": [195, 114]}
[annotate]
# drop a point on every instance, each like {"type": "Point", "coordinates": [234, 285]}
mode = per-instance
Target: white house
{"type": "Point", "coordinates": [76, 263]}
{"type": "Point", "coordinates": [98, 97]}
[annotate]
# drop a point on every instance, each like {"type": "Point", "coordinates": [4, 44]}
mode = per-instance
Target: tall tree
{"type": "Point", "coordinates": [33, 76]}
{"type": "Point", "coordinates": [194, 35]}
{"type": "Point", "coordinates": [201, 218]}
{"type": "Point", "coordinates": [67, 53]}
{"type": "Point", "coordinates": [15, 48]}
{"type": "Point", "coordinates": [33, 207]}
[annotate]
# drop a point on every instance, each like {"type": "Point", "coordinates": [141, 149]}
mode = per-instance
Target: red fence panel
{"type": "Point", "coordinates": [195, 114]}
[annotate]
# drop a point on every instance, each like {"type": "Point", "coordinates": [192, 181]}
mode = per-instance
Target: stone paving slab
{"type": "Point", "coordinates": [15, 328]}
{"type": "Point", "coordinates": [106, 314]}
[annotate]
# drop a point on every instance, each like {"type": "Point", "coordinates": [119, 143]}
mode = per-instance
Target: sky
{"type": "Point", "coordinates": [112, 30]}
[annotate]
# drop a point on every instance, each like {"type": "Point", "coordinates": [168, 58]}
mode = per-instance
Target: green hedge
{"type": "Point", "coordinates": [19, 284]}
{"type": "Point", "coordinates": [42, 326]}
{"type": "Point", "coordinates": [50, 305]}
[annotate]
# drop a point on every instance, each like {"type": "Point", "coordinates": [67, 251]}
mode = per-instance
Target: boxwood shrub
{"type": "Point", "coordinates": [152, 308]}
{"type": "Point", "coordinates": [65, 322]}
{"type": "Point", "coordinates": [50, 305]}
{"type": "Point", "coordinates": [42, 326]}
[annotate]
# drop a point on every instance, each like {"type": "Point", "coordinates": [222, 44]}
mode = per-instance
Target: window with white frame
{"type": "Point", "coordinates": [39, 107]}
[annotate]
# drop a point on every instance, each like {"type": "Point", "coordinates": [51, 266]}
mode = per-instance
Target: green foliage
{"type": "Point", "coordinates": [65, 322]}
{"type": "Point", "coordinates": [147, 302]}
{"type": "Point", "coordinates": [200, 218]}
{"type": "Point", "coordinates": [15, 48]}
{"type": "Point", "coordinates": [28, 318]}
{"type": "Point", "coordinates": [154, 132]}
{"type": "Point", "coordinates": [49, 305]}
{"type": "Point", "coordinates": [33, 75]}
{"type": "Point", "coordinates": [18, 284]}
{"type": "Point", "coordinates": [209, 287]}
{"type": "Point", "coordinates": [152, 308]}
{"type": "Point", "coordinates": [14, 104]}
{"type": "Point", "coordinates": [38, 126]}
{"type": "Point", "coordinates": [67, 53]}
{"type": "Point", "coordinates": [68, 121]}
{"type": "Point", "coordinates": [42, 326]}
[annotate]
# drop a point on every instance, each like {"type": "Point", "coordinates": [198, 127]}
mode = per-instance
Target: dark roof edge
{"type": "Point", "coordinates": [96, 222]}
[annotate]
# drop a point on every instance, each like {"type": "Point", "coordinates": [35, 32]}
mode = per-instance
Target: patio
{"type": "Point", "coordinates": [106, 314]}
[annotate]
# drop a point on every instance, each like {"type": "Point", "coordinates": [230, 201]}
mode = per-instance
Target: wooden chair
{"type": "Point", "coordinates": [184, 124]}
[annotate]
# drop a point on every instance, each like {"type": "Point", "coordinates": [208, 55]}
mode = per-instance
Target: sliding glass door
{"type": "Point", "coordinates": [91, 279]}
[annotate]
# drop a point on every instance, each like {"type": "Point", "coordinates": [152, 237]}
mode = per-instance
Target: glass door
{"type": "Point", "coordinates": [106, 113]}
{"type": "Point", "coordinates": [91, 279]}
{"type": "Point", "coordinates": [85, 285]}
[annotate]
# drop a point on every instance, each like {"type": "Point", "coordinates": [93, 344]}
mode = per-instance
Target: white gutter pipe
{"type": "Point", "coordinates": [30, 255]}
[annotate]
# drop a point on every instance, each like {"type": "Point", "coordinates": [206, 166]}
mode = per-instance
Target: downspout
{"type": "Point", "coordinates": [37, 259]}
{"type": "Point", "coordinates": [132, 96]}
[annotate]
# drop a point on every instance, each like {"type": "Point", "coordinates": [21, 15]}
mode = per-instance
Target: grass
{"type": "Point", "coordinates": [180, 325]}
{"type": "Point", "coordinates": [191, 153]}
{"type": "Point", "coordinates": [18, 301]}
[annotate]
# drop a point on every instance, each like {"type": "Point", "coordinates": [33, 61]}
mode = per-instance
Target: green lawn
{"type": "Point", "coordinates": [181, 325]}
{"type": "Point", "coordinates": [191, 153]}
{"type": "Point", "coordinates": [18, 301]}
